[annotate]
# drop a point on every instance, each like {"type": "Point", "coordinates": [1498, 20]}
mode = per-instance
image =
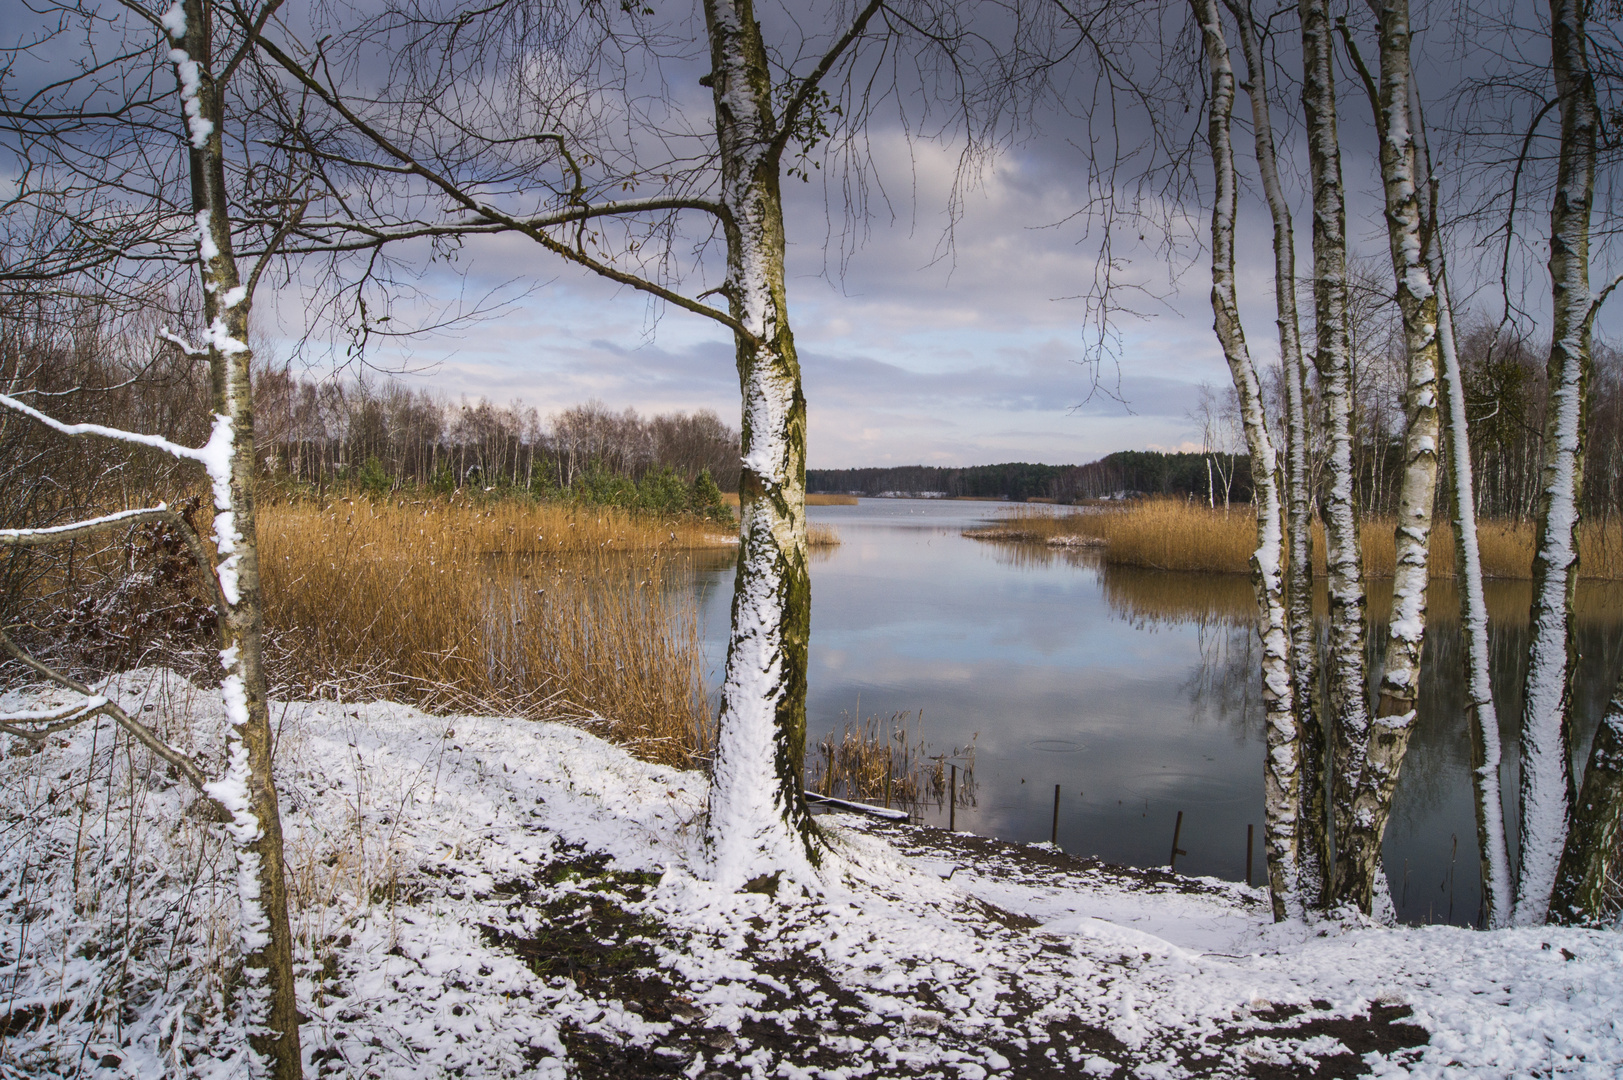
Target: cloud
{"type": "Point", "coordinates": [921, 346]}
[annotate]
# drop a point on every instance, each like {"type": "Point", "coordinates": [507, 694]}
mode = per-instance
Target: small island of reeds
{"type": "Point", "coordinates": [1174, 534]}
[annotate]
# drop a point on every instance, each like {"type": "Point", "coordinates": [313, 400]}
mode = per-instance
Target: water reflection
{"type": "Point", "coordinates": [1137, 692]}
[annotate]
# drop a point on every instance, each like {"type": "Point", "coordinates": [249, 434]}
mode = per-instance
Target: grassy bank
{"type": "Point", "coordinates": [512, 606]}
{"type": "Point", "coordinates": [1165, 534]}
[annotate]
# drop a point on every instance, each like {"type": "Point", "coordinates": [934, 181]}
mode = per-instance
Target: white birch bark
{"type": "Point", "coordinates": [1482, 717]}
{"type": "Point", "coordinates": [759, 825]}
{"type": "Point", "coordinates": [1304, 648]}
{"type": "Point", "coordinates": [1358, 849]}
{"type": "Point", "coordinates": [1546, 747]}
{"type": "Point", "coordinates": [1348, 711]}
{"type": "Point", "coordinates": [247, 791]}
{"type": "Point", "coordinates": [1281, 772]}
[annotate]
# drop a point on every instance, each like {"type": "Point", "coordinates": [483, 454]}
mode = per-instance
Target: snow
{"type": "Point", "coordinates": [190, 76]}
{"type": "Point", "coordinates": [55, 712]}
{"type": "Point", "coordinates": [206, 246]}
{"type": "Point", "coordinates": [118, 434]}
{"type": "Point", "coordinates": [420, 847]}
{"type": "Point", "coordinates": [215, 456]}
{"type": "Point", "coordinates": [1545, 770]}
{"type": "Point", "coordinates": [174, 20]}
{"type": "Point", "coordinates": [748, 834]}
{"type": "Point", "coordinates": [56, 530]}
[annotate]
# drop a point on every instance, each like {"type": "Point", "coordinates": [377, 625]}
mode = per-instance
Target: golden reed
{"type": "Point", "coordinates": [512, 607]}
{"type": "Point", "coordinates": [1169, 534]}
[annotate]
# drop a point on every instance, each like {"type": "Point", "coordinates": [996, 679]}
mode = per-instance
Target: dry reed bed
{"type": "Point", "coordinates": [1166, 534]}
{"type": "Point", "coordinates": [822, 535]}
{"type": "Point", "coordinates": [888, 762]}
{"type": "Point", "coordinates": [519, 608]}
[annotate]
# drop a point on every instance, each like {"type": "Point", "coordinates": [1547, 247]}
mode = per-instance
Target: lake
{"type": "Point", "coordinates": [1137, 692]}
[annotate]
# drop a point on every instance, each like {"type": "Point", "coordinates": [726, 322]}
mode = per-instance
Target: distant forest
{"type": "Point", "coordinates": [1128, 471]}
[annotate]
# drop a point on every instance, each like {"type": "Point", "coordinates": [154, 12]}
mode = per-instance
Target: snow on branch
{"type": "Point", "coordinates": [91, 705]}
{"type": "Point", "coordinates": [180, 343]}
{"type": "Point", "coordinates": [76, 529]}
{"type": "Point", "coordinates": [57, 719]}
{"type": "Point", "coordinates": [116, 434]}
{"type": "Point", "coordinates": [107, 523]}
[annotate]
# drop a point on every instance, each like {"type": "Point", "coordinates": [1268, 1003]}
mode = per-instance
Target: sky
{"type": "Point", "coordinates": [910, 356]}
{"type": "Point", "coordinates": [912, 352]}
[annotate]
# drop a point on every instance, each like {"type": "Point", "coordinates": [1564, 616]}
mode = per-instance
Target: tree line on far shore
{"type": "Point", "coordinates": [328, 437]}
{"type": "Point", "coordinates": [1506, 396]}
{"type": "Point", "coordinates": [1127, 472]}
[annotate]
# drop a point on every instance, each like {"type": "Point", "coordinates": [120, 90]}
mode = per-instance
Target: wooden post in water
{"type": "Point", "coordinates": [1176, 850]}
{"type": "Point", "coordinates": [1248, 833]}
{"type": "Point", "coordinates": [1053, 835]}
{"type": "Point", "coordinates": [952, 800]}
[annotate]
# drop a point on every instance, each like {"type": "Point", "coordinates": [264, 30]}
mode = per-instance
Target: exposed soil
{"type": "Point", "coordinates": [1381, 1031]}
{"type": "Point", "coordinates": [589, 933]}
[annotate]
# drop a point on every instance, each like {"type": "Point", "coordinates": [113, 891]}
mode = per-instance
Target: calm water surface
{"type": "Point", "coordinates": [1136, 692]}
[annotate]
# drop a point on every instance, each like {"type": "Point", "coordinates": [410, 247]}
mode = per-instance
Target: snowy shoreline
{"type": "Point", "coordinates": [482, 896]}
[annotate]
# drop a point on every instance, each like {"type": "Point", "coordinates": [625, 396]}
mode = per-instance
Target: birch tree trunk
{"type": "Point", "coordinates": [1592, 861]}
{"type": "Point", "coordinates": [759, 824]}
{"type": "Point", "coordinates": [1481, 715]}
{"type": "Point", "coordinates": [1312, 841]}
{"type": "Point", "coordinates": [1348, 708]}
{"type": "Point", "coordinates": [247, 791]}
{"type": "Point", "coordinates": [1546, 740]}
{"type": "Point", "coordinates": [1358, 849]}
{"type": "Point", "coordinates": [1282, 775]}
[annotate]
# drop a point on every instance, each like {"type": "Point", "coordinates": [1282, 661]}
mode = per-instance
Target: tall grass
{"type": "Point", "coordinates": [533, 610]}
{"type": "Point", "coordinates": [1168, 534]}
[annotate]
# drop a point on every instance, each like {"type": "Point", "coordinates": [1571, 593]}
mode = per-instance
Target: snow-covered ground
{"type": "Point", "coordinates": [486, 897]}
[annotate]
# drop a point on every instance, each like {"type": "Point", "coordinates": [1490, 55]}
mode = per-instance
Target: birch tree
{"type": "Point", "coordinates": [190, 43]}
{"type": "Point", "coordinates": [1481, 714]}
{"type": "Point", "coordinates": [1282, 772]}
{"type": "Point", "coordinates": [1360, 825]}
{"type": "Point", "coordinates": [1347, 704]}
{"type": "Point", "coordinates": [1312, 838]}
{"type": "Point", "coordinates": [765, 116]}
{"type": "Point", "coordinates": [1546, 739]}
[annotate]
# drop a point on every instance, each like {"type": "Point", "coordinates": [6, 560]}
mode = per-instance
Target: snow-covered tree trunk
{"type": "Point", "coordinates": [247, 791]}
{"type": "Point", "coordinates": [1591, 862]}
{"type": "Point", "coordinates": [759, 823]}
{"type": "Point", "coordinates": [1281, 772]}
{"type": "Point", "coordinates": [1481, 715]}
{"type": "Point", "coordinates": [1348, 707]}
{"type": "Point", "coordinates": [1312, 838]}
{"type": "Point", "coordinates": [1358, 849]}
{"type": "Point", "coordinates": [1546, 747]}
